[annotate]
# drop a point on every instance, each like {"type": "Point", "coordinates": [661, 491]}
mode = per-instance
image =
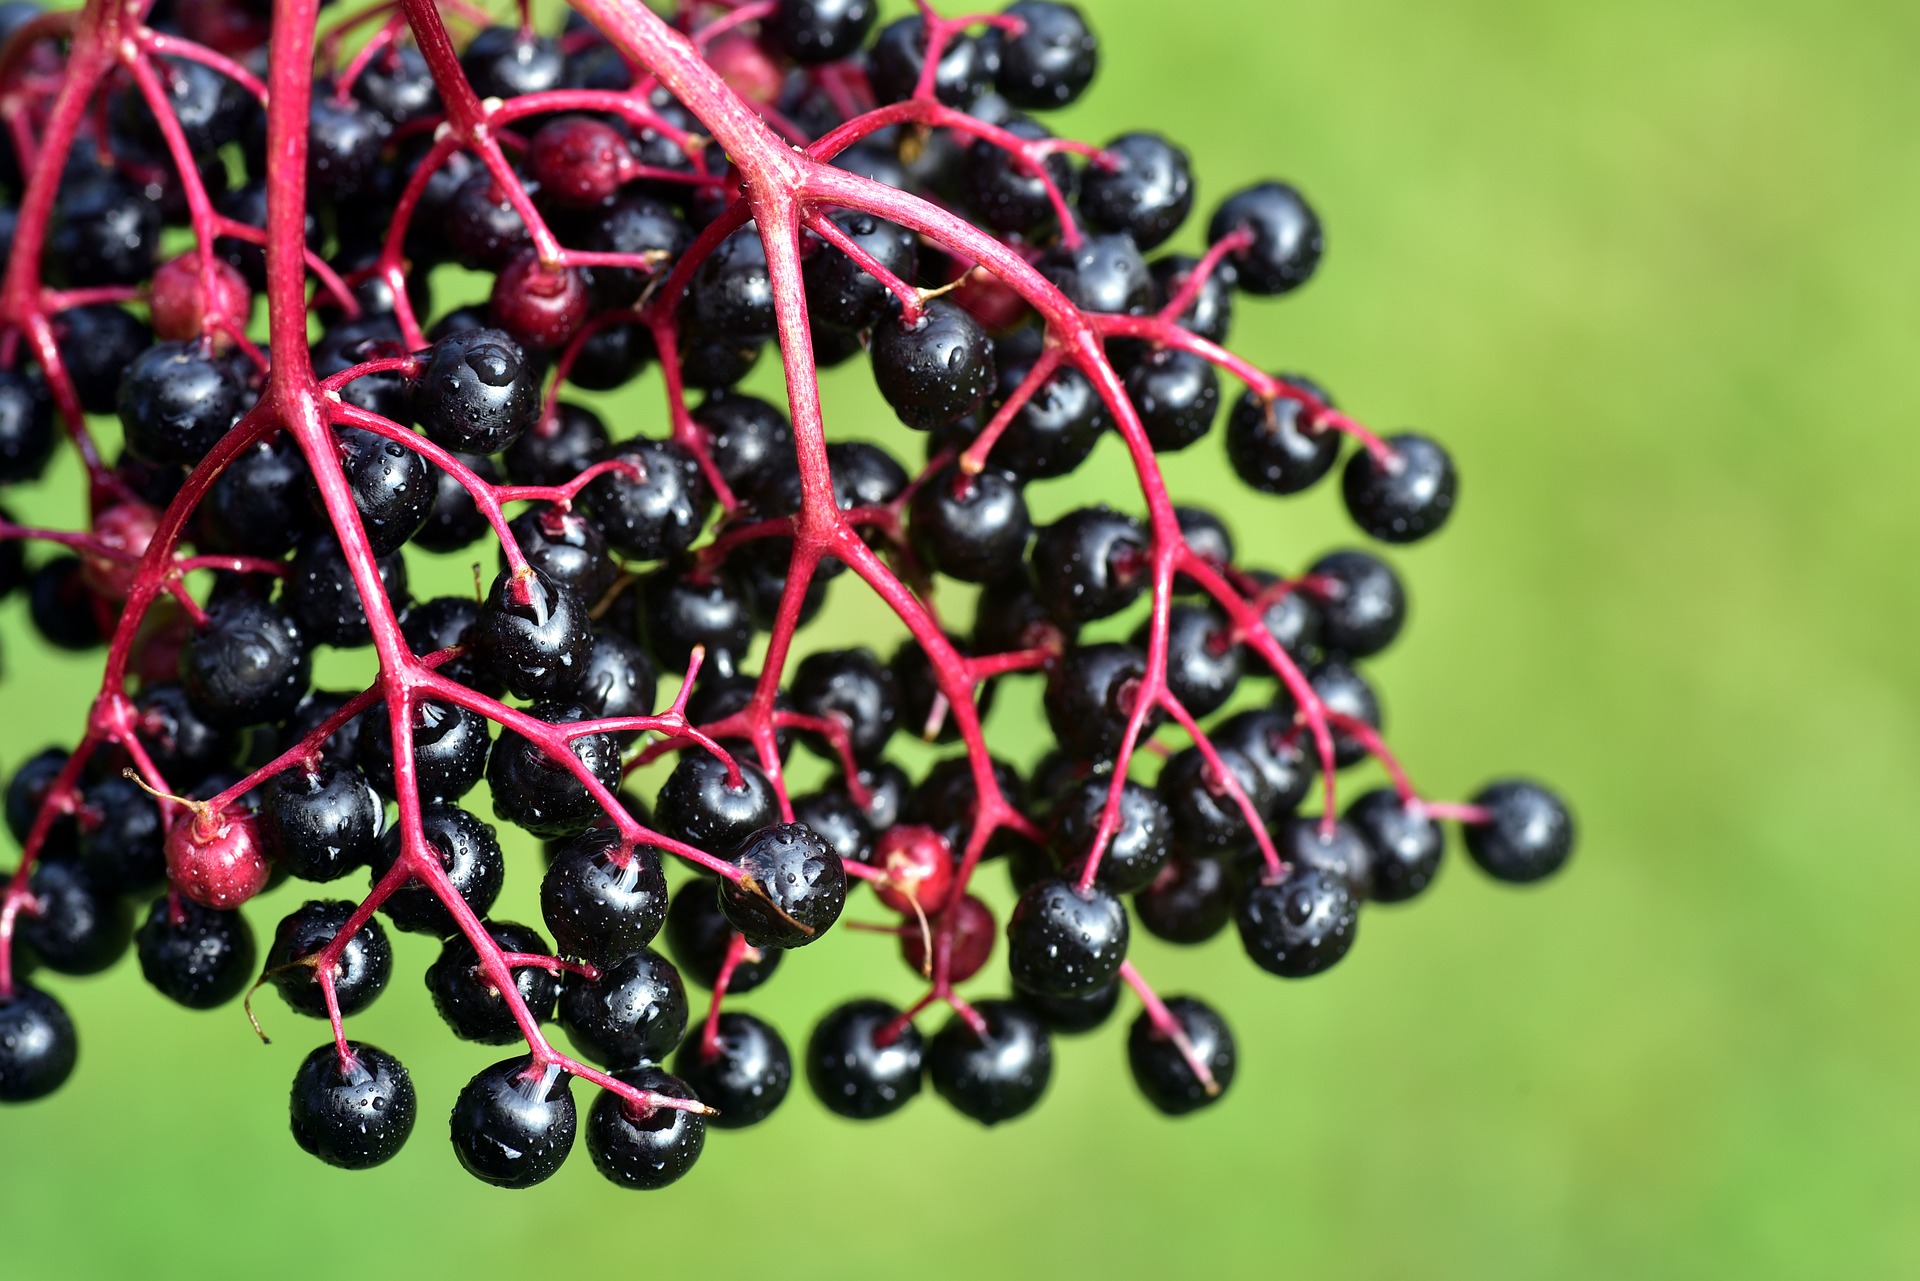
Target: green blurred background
{"type": "Point", "coordinates": [1648, 267]}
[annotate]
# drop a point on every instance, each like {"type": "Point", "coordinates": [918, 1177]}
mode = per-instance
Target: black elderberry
{"type": "Point", "coordinates": [1139, 845]}
{"type": "Point", "coordinates": [854, 1075]}
{"type": "Point", "coordinates": [681, 609]}
{"type": "Point", "coordinates": [355, 1113]}
{"type": "Point", "coordinates": [732, 293]}
{"type": "Point", "coordinates": [658, 510]}
{"type": "Point", "coordinates": [1362, 605]}
{"type": "Point", "coordinates": [444, 623]}
{"type": "Point", "coordinates": [541, 795]}
{"type": "Point", "coordinates": [703, 806]}
{"type": "Point", "coordinates": [1073, 1015]}
{"type": "Point", "coordinates": [602, 908]}
{"type": "Point", "coordinates": [455, 520]}
{"type": "Point", "coordinates": [554, 451]}
{"type": "Point", "coordinates": [973, 528]}
{"type": "Point", "coordinates": [747, 1075]}
{"type": "Point", "coordinates": [935, 371]}
{"type": "Point", "coordinates": [248, 665]}
{"type": "Point", "coordinates": [64, 609]}
{"type": "Point", "coordinates": [513, 1124]}
{"type": "Point", "coordinates": [320, 592]}
{"type": "Point", "coordinates": [1009, 196]}
{"type": "Point", "coordinates": [700, 936]}
{"type": "Point", "coordinates": [1404, 844]}
{"type": "Point", "coordinates": [469, 854]}
{"type": "Point", "coordinates": [1210, 314]}
{"type": "Point", "coordinates": [567, 547]}
{"type": "Point", "coordinates": [1203, 664]}
{"type": "Point", "coordinates": [1303, 842]}
{"type": "Point", "coordinates": [482, 227]}
{"type": "Point", "coordinates": [644, 1150]}
{"type": "Point", "coordinates": [1207, 819]}
{"type": "Point", "coordinates": [344, 141]}
{"type": "Point", "coordinates": [620, 681]}
{"type": "Point", "coordinates": [196, 956]}
{"type": "Point", "coordinates": [450, 746]}
{"type": "Point", "coordinates": [468, 1000]}
{"type": "Point", "coordinates": [1287, 240]}
{"type": "Point", "coordinates": [1091, 697]}
{"type": "Point", "coordinates": [1050, 60]}
{"type": "Point", "coordinates": [1103, 273]}
{"type": "Point", "coordinates": [844, 296]}
{"type": "Point", "coordinates": [634, 1012]}
{"type": "Point", "coordinates": [835, 819]}
{"type": "Point", "coordinates": [849, 686]}
{"type": "Point", "coordinates": [27, 434]}
{"type": "Point", "coordinates": [393, 487]}
{"type": "Point", "coordinates": [965, 69]}
{"type": "Point", "coordinates": [122, 839]}
{"type": "Point", "coordinates": [1292, 617]}
{"type": "Point", "coordinates": [1161, 1068]}
{"type": "Point", "coordinates": [97, 343]}
{"type": "Point", "coordinates": [1298, 926]}
{"type": "Point", "coordinates": [634, 222]}
{"type": "Point", "coordinates": [398, 84]}
{"type": "Point", "coordinates": [1282, 757]}
{"type": "Point", "coordinates": [38, 1046]}
{"type": "Point", "coordinates": [257, 506]}
{"type": "Point", "coordinates": [105, 232]}
{"type": "Point", "coordinates": [506, 62]}
{"type": "Point", "coordinates": [361, 973]}
{"type": "Point", "coordinates": [534, 636]}
{"type": "Point", "coordinates": [747, 437]}
{"type": "Point", "coordinates": [1090, 563]}
{"type": "Point", "coordinates": [1346, 693]}
{"type": "Point", "coordinates": [1274, 445]}
{"type": "Point", "coordinates": [475, 392]}
{"type": "Point", "coordinates": [1190, 901]}
{"type": "Point", "coordinates": [1528, 834]}
{"type": "Point", "coordinates": [27, 792]}
{"type": "Point", "coordinates": [1405, 498]}
{"type": "Point", "coordinates": [792, 889]}
{"type": "Point", "coordinates": [924, 708]}
{"type": "Point", "coordinates": [816, 31]}
{"type": "Point", "coordinates": [81, 927]}
{"type": "Point", "coordinates": [1176, 394]}
{"type": "Point", "coordinates": [347, 343]}
{"type": "Point", "coordinates": [996, 1076]}
{"type": "Point", "coordinates": [323, 822]}
{"type": "Point", "coordinates": [1055, 430]}
{"type": "Point", "coordinates": [1061, 942]}
{"type": "Point", "coordinates": [1144, 188]}
{"type": "Point", "coordinates": [178, 399]}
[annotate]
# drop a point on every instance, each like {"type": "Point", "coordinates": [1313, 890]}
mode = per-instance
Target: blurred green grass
{"type": "Point", "coordinates": [1648, 268]}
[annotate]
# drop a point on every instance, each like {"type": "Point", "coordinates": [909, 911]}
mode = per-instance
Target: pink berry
{"type": "Point", "coordinates": [217, 860]}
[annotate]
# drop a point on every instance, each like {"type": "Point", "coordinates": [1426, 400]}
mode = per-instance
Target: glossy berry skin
{"type": "Point", "coordinates": [701, 805]}
{"type": "Point", "coordinates": [699, 935]}
{"type": "Point", "coordinates": [81, 928]}
{"type": "Point", "coordinates": [620, 681]}
{"type": "Point", "coordinates": [792, 889]}
{"type": "Point", "coordinates": [1274, 446]}
{"type": "Point", "coordinates": [1340, 852]}
{"type": "Point", "coordinates": [1405, 845]}
{"type": "Point", "coordinates": [1406, 500]}
{"type": "Point", "coordinates": [450, 749]}
{"type": "Point", "coordinates": [505, 62]}
{"type": "Point", "coordinates": [323, 822]}
{"type": "Point", "coordinates": [1203, 666]}
{"type": "Point", "coordinates": [97, 343]}
{"type": "Point", "coordinates": [105, 232]}
{"type": "Point", "coordinates": [1362, 605]}
{"type": "Point", "coordinates": [360, 975]}
{"type": "Point", "coordinates": [1176, 394]}
{"type": "Point", "coordinates": [1104, 273]}
{"type": "Point", "coordinates": [1147, 193]}
{"type": "Point", "coordinates": [468, 852]}
{"type": "Point", "coordinates": [534, 636]}
{"type": "Point", "coordinates": [62, 606]}
{"type": "Point", "coordinates": [475, 393]}
{"type": "Point", "coordinates": [853, 687]}
{"type": "Point", "coordinates": [1189, 901]}
{"type": "Point", "coordinates": [258, 504]}
{"type": "Point", "coordinates": [658, 513]}
{"type": "Point", "coordinates": [682, 608]}
{"type": "Point", "coordinates": [1299, 926]}
{"type": "Point", "coordinates": [973, 935]}
{"type": "Point", "coordinates": [999, 1076]}
{"type": "Point", "coordinates": [354, 1116]}
{"type": "Point", "coordinates": [567, 547]}
{"type": "Point", "coordinates": [178, 399]}
{"type": "Point", "coordinates": [1529, 833]}
{"type": "Point", "coordinates": [512, 1126]}
{"type": "Point", "coordinates": [38, 1046]}
{"type": "Point", "coordinates": [1051, 61]}
{"type": "Point", "coordinates": [747, 437]}
{"type": "Point", "coordinates": [973, 528]}
{"type": "Point", "coordinates": [27, 435]}
{"type": "Point", "coordinates": [1089, 564]}
{"type": "Point", "coordinates": [935, 371]}
{"type": "Point", "coordinates": [443, 623]}
{"type": "Point", "coordinates": [218, 860]}
{"type": "Point", "coordinates": [746, 1079]}
{"type": "Point", "coordinates": [122, 838]}
{"type": "Point", "coordinates": [632, 223]}
{"type": "Point", "coordinates": [321, 594]}
{"type": "Point", "coordinates": [466, 998]}
{"type": "Point", "coordinates": [598, 909]}
{"type": "Point", "coordinates": [1074, 1015]}
{"type": "Point", "coordinates": [196, 956]}
{"type": "Point", "coordinates": [816, 31]}
{"type": "Point", "coordinates": [644, 1151]}
{"type": "Point", "coordinates": [1091, 694]}
{"type": "Point", "coordinates": [1057, 428]}
{"type": "Point", "coordinates": [1345, 692]}
{"type": "Point", "coordinates": [732, 295]}
{"type": "Point", "coordinates": [1287, 240]}
{"type": "Point", "coordinates": [552, 453]}
{"type": "Point", "coordinates": [634, 1013]}
{"type": "Point", "coordinates": [541, 795]}
{"type": "Point", "coordinates": [965, 69]}
{"type": "Point", "coordinates": [1210, 314]}
{"type": "Point", "coordinates": [845, 296]}
{"type": "Point", "coordinates": [1139, 846]}
{"type": "Point", "coordinates": [1008, 196]}
{"type": "Point", "coordinates": [1283, 764]}
{"type": "Point", "coordinates": [393, 487]}
{"type": "Point", "coordinates": [852, 1075]}
{"type": "Point", "coordinates": [1161, 1071]}
{"type": "Point", "coordinates": [1063, 943]}
{"type": "Point", "coordinates": [838, 821]}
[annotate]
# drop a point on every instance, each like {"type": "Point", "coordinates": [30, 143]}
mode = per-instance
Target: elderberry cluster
{"type": "Point", "coordinates": [595, 229]}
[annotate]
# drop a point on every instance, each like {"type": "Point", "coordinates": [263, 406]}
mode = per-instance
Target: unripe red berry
{"type": "Point", "coordinates": [184, 307]}
{"type": "Point", "coordinates": [919, 867]}
{"type": "Point", "coordinates": [578, 161]}
{"type": "Point", "coordinates": [126, 527]}
{"type": "Point", "coordinates": [747, 68]}
{"type": "Point", "coordinates": [217, 860]}
{"type": "Point", "coordinates": [540, 306]}
{"type": "Point", "coordinates": [973, 932]}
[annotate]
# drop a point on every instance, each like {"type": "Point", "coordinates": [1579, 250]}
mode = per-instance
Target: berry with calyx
{"type": "Point", "coordinates": [196, 956]}
{"type": "Point", "coordinates": [1010, 196]}
{"type": "Point", "coordinates": [218, 859]}
{"type": "Point", "coordinates": [852, 687]}
{"type": "Point", "coordinates": [852, 1073]}
{"type": "Point", "coordinates": [1275, 446]}
{"type": "Point", "coordinates": [1144, 188]}
{"type": "Point", "coordinates": [973, 528]}
{"type": "Point", "coordinates": [1090, 563]}
{"type": "Point", "coordinates": [1074, 1015]}
{"type": "Point", "coordinates": [450, 749]}
{"type": "Point", "coordinates": [321, 594]}
{"type": "Point", "coordinates": [791, 890]}
{"type": "Point", "coordinates": [1528, 832]}
{"type": "Point", "coordinates": [1161, 1068]}
{"type": "Point", "coordinates": [538, 793]}
{"type": "Point", "coordinates": [470, 856]}
{"type": "Point", "coordinates": [1362, 605]}
{"type": "Point", "coordinates": [534, 635]}
{"type": "Point", "coordinates": [513, 1124]}
{"type": "Point", "coordinates": [475, 393]}
{"type": "Point", "coordinates": [845, 295]}
{"type": "Point", "coordinates": [1210, 314]}
{"type": "Point", "coordinates": [1298, 926]}
{"type": "Point", "coordinates": [1286, 238]}
{"type": "Point", "coordinates": [1407, 496]}
{"type": "Point", "coordinates": [1103, 273]}
{"type": "Point", "coordinates": [178, 399]}
{"type": "Point", "coordinates": [1335, 849]}
{"type": "Point", "coordinates": [1139, 845]}
{"type": "Point", "coordinates": [322, 822]}
{"type": "Point", "coordinates": [973, 934]}
{"type": "Point", "coordinates": [602, 908]}
{"type": "Point", "coordinates": [745, 1077]}
{"type": "Point", "coordinates": [466, 997]}
{"type": "Point", "coordinates": [354, 1112]}
{"type": "Point", "coordinates": [935, 371]}
{"type": "Point", "coordinates": [657, 510]}
{"type": "Point", "coordinates": [1061, 942]}
{"type": "Point", "coordinates": [1176, 394]}
{"type": "Point", "coordinates": [703, 805]}
{"type": "Point", "coordinates": [122, 838]}
{"type": "Point", "coordinates": [998, 1075]}
{"type": "Point", "coordinates": [360, 973]}
{"type": "Point", "coordinates": [639, 1149]}
{"type": "Point", "coordinates": [1405, 844]}
{"type": "Point", "coordinates": [635, 1011]}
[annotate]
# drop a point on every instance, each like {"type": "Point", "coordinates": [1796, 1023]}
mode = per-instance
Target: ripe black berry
{"type": "Point", "coordinates": [360, 975]}
{"type": "Point", "coordinates": [37, 1045]}
{"type": "Point", "coordinates": [1176, 394]}
{"type": "Point", "coordinates": [793, 888]}
{"type": "Point", "coordinates": [746, 1078]}
{"type": "Point", "coordinates": [323, 822]}
{"type": "Point", "coordinates": [1139, 846]}
{"type": "Point", "coordinates": [467, 999]}
{"type": "Point", "coordinates": [534, 636]}
{"type": "Point", "coordinates": [354, 1114]}
{"type": "Point", "coordinates": [1287, 241]}
{"type": "Point", "coordinates": [567, 547]}
{"type": "Point", "coordinates": [1073, 1015]}
{"type": "Point", "coordinates": [1299, 926]}
{"type": "Point", "coordinates": [1147, 192]}
{"type": "Point", "coordinates": [682, 607]}
{"type": "Point", "coordinates": [1051, 60]}
{"type": "Point", "coordinates": [851, 1073]}
{"type": "Point", "coordinates": [1061, 942]}
{"type": "Point", "coordinates": [995, 1077]}
{"type": "Point", "coordinates": [470, 855]}
{"type": "Point", "coordinates": [852, 687]}
{"type": "Point", "coordinates": [196, 955]}
{"type": "Point", "coordinates": [1404, 500]}
{"type": "Point", "coordinates": [1009, 196]}
{"type": "Point", "coordinates": [475, 393]}
{"type": "Point", "coordinates": [599, 909]}
{"type": "Point", "coordinates": [700, 935]}
{"type": "Point", "coordinates": [845, 296]}
{"type": "Point", "coordinates": [513, 1124]}
{"type": "Point", "coordinates": [505, 62]}
{"type": "Point", "coordinates": [26, 425]}
{"type": "Point", "coordinates": [393, 487]}
{"type": "Point", "coordinates": [178, 399]}
{"type": "Point", "coordinates": [660, 511]}
{"type": "Point", "coordinates": [634, 1013]}
{"type": "Point", "coordinates": [449, 751]}
{"type": "Point", "coordinates": [122, 840]}
{"type": "Point", "coordinates": [1203, 664]}
{"type": "Point", "coordinates": [540, 794]}
{"type": "Point", "coordinates": [1103, 273]}
{"type": "Point", "coordinates": [321, 594]}
{"type": "Point", "coordinates": [934, 371]}
{"type": "Point", "coordinates": [644, 1150]}
{"type": "Point", "coordinates": [258, 504]}
{"type": "Point", "coordinates": [1091, 695]}
{"type": "Point", "coordinates": [1405, 845]}
{"type": "Point", "coordinates": [1089, 564]}
{"type": "Point", "coordinates": [1210, 314]}
{"type": "Point", "coordinates": [1190, 901]}
{"type": "Point", "coordinates": [1057, 428]}
{"type": "Point", "coordinates": [1362, 605]}
{"type": "Point", "coordinates": [1338, 851]}
{"type": "Point", "coordinates": [1528, 835]}
{"type": "Point", "coordinates": [701, 805]}
{"type": "Point", "coordinates": [82, 927]}
{"type": "Point", "coordinates": [966, 65]}
{"type": "Point", "coordinates": [1273, 445]}
{"type": "Point", "coordinates": [816, 31]}
{"type": "Point", "coordinates": [973, 528]}
{"type": "Point", "coordinates": [554, 451]}
{"type": "Point", "coordinates": [1161, 1070]}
